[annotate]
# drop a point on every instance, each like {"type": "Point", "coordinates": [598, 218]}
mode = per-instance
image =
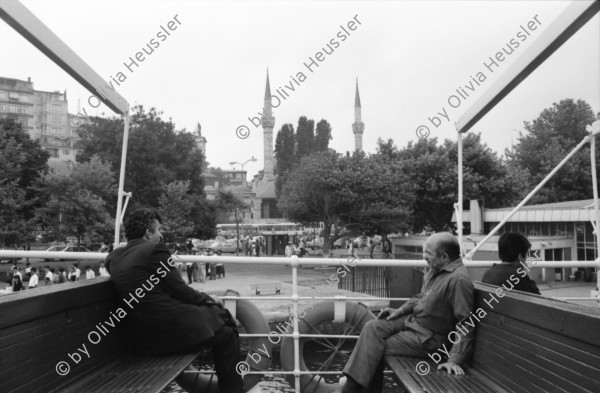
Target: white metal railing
{"type": "Point", "coordinates": [294, 262]}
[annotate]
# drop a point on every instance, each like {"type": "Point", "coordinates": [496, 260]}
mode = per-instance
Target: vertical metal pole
{"type": "Point", "coordinates": [459, 219]}
{"type": "Point", "coordinates": [121, 180]}
{"type": "Point", "coordinates": [596, 203]}
{"type": "Point", "coordinates": [295, 320]}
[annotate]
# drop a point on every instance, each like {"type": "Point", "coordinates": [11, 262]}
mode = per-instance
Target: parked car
{"type": "Point", "coordinates": [62, 249]}
{"type": "Point", "coordinates": [228, 246]}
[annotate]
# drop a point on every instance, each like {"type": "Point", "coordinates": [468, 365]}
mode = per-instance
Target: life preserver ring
{"type": "Point", "coordinates": [322, 312]}
{"type": "Point", "coordinates": [250, 317]}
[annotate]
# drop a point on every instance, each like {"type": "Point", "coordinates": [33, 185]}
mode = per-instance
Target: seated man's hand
{"type": "Point", "coordinates": [390, 313]}
{"type": "Point", "coordinates": [451, 367]}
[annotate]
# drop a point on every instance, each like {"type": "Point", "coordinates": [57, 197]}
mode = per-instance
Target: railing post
{"type": "Point", "coordinates": [593, 130]}
{"type": "Point", "coordinates": [296, 334]}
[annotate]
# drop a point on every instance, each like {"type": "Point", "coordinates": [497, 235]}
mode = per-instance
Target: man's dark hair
{"type": "Point", "coordinates": [138, 221]}
{"type": "Point", "coordinates": [34, 269]}
{"type": "Point", "coordinates": [511, 245]}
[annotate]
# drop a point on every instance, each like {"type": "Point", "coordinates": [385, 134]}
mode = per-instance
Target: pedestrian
{"type": "Point", "coordinates": [302, 248]}
{"type": "Point", "coordinates": [89, 273]}
{"type": "Point", "coordinates": [54, 276]}
{"type": "Point", "coordinates": [34, 280]}
{"type": "Point", "coordinates": [371, 248]}
{"type": "Point", "coordinates": [220, 269]}
{"type": "Point", "coordinates": [102, 270]}
{"type": "Point", "coordinates": [188, 268]}
{"type": "Point", "coordinates": [104, 247]}
{"type": "Point", "coordinates": [48, 277]}
{"type": "Point", "coordinates": [77, 271]}
{"type": "Point", "coordinates": [27, 271]}
{"type": "Point", "coordinates": [62, 278]}
{"type": "Point", "coordinates": [17, 284]}
{"type": "Point", "coordinates": [195, 272]}
{"type": "Point", "coordinates": [72, 276]}
{"type": "Point", "coordinates": [190, 247]}
{"type": "Point", "coordinates": [288, 250]}
{"type": "Point", "coordinates": [386, 247]}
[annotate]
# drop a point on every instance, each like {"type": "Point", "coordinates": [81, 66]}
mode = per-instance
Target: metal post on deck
{"type": "Point", "coordinates": [459, 218]}
{"type": "Point", "coordinates": [296, 334]}
{"type": "Point", "coordinates": [594, 129]}
{"type": "Point", "coordinates": [121, 193]}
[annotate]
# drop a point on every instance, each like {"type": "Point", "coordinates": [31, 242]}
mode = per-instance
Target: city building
{"type": "Point", "coordinates": [44, 114]}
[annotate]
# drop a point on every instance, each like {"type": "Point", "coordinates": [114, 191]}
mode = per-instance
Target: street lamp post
{"type": "Point", "coordinates": [247, 161]}
{"type": "Point", "coordinates": [237, 223]}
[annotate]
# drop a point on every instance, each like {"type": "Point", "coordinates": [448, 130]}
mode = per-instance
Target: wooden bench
{"type": "Point", "coordinates": [525, 344]}
{"type": "Point", "coordinates": [39, 328]}
{"type": "Point", "coordinates": [273, 288]}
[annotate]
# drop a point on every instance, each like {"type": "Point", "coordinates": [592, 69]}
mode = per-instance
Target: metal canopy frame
{"type": "Point", "coordinates": [33, 29]}
{"type": "Point", "coordinates": [575, 16]}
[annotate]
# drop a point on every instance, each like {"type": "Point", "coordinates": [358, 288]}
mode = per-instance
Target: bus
{"type": "Point", "coordinates": [229, 230]}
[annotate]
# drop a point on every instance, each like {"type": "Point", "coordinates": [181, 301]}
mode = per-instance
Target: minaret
{"type": "Point", "coordinates": [358, 127]}
{"type": "Point", "coordinates": [268, 121]}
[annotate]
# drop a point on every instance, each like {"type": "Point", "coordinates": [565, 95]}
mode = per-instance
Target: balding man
{"type": "Point", "coordinates": [422, 324]}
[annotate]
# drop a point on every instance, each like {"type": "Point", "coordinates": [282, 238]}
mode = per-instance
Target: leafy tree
{"type": "Point", "coordinates": [285, 146]}
{"type": "Point", "coordinates": [323, 136]}
{"type": "Point", "coordinates": [157, 153]}
{"type": "Point", "coordinates": [549, 138]}
{"type": "Point", "coordinates": [97, 176]}
{"type": "Point", "coordinates": [228, 204]}
{"type": "Point", "coordinates": [384, 196]}
{"type": "Point", "coordinates": [316, 192]}
{"type": "Point", "coordinates": [175, 208]}
{"type": "Point", "coordinates": [204, 214]}
{"type": "Point", "coordinates": [433, 171]}
{"type": "Point", "coordinates": [72, 209]}
{"type": "Point", "coordinates": [305, 138]}
{"type": "Point", "coordinates": [363, 194]}
{"type": "Point", "coordinates": [23, 163]}
{"type": "Point", "coordinates": [290, 147]}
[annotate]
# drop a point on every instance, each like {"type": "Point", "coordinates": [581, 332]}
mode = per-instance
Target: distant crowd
{"type": "Point", "coordinates": [31, 278]}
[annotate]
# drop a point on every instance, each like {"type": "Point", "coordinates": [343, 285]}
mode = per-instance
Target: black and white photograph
{"type": "Point", "coordinates": [299, 196]}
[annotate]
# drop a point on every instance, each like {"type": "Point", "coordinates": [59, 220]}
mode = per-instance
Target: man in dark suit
{"type": "Point", "coordinates": [164, 314]}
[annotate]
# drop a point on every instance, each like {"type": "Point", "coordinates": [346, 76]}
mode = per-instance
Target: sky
{"type": "Point", "coordinates": [409, 57]}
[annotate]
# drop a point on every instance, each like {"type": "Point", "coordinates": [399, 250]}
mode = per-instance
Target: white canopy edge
{"type": "Point", "coordinates": [35, 31]}
{"type": "Point", "coordinates": [577, 14]}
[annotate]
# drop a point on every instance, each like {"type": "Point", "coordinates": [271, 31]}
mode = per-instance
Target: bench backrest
{"type": "Point", "coordinates": [40, 328]}
{"type": "Point", "coordinates": [530, 343]}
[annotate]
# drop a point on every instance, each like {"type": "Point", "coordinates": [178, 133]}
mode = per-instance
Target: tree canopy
{"type": "Point", "coordinates": [548, 139]}
{"type": "Point", "coordinates": [157, 153]}
{"type": "Point", "coordinates": [291, 147]}
{"type": "Point", "coordinates": [363, 194]}
{"type": "Point", "coordinates": [23, 163]}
